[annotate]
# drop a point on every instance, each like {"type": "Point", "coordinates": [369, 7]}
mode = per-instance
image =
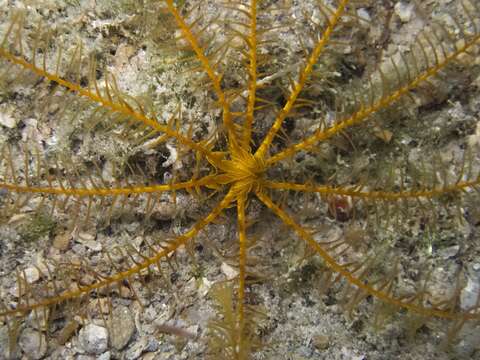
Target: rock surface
{"type": "Point", "coordinates": [33, 344]}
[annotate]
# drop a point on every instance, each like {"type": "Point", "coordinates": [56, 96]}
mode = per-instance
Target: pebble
{"type": "Point", "coordinates": [31, 274]}
{"type": "Point", "coordinates": [139, 347]}
{"type": "Point", "coordinates": [93, 245]}
{"type": "Point", "coordinates": [84, 357]}
{"type": "Point", "coordinates": [105, 356]}
{"type": "Point", "coordinates": [351, 355]}
{"type": "Point", "coordinates": [88, 240]}
{"type": "Point", "coordinates": [449, 252]}
{"type": "Point", "coordinates": [62, 241]}
{"type": "Point", "coordinates": [470, 294]}
{"type": "Point", "coordinates": [33, 344]}
{"type": "Point", "coordinates": [41, 265]}
{"type": "Point", "coordinates": [79, 249]}
{"type": "Point", "coordinates": [228, 271]}
{"type": "Point", "coordinates": [136, 350]}
{"type": "Point", "coordinates": [439, 289]}
{"type": "Point", "coordinates": [14, 291]}
{"type": "Point", "coordinates": [363, 14]}
{"type": "Point", "coordinates": [17, 218]}
{"type": "Point", "coordinates": [164, 210]}
{"type": "Point", "coordinates": [204, 287]}
{"type": "Point", "coordinates": [321, 342]}
{"type": "Point", "coordinates": [7, 121]}
{"type": "Point", "coordinates": [93, 339]}
{"type": "Point", "coordinates": [404, 11]}
{"type": "Point", "coordinates": [83, 236]}
{"type": "Point", "coordinates": [149, 356]}
{"type": "Point", "coordinates": [123, 327]}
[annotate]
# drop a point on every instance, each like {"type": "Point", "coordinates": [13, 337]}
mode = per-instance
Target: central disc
{"type": "Point", "coordinates": [243, 170]}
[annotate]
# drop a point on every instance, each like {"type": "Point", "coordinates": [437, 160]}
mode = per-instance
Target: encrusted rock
{"type": "Point", "coordinates": [122, 327]}
{"type": "Point", "coordinates": [439, 289]}
{"type": "Point", "coordinates": [93, 339]}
